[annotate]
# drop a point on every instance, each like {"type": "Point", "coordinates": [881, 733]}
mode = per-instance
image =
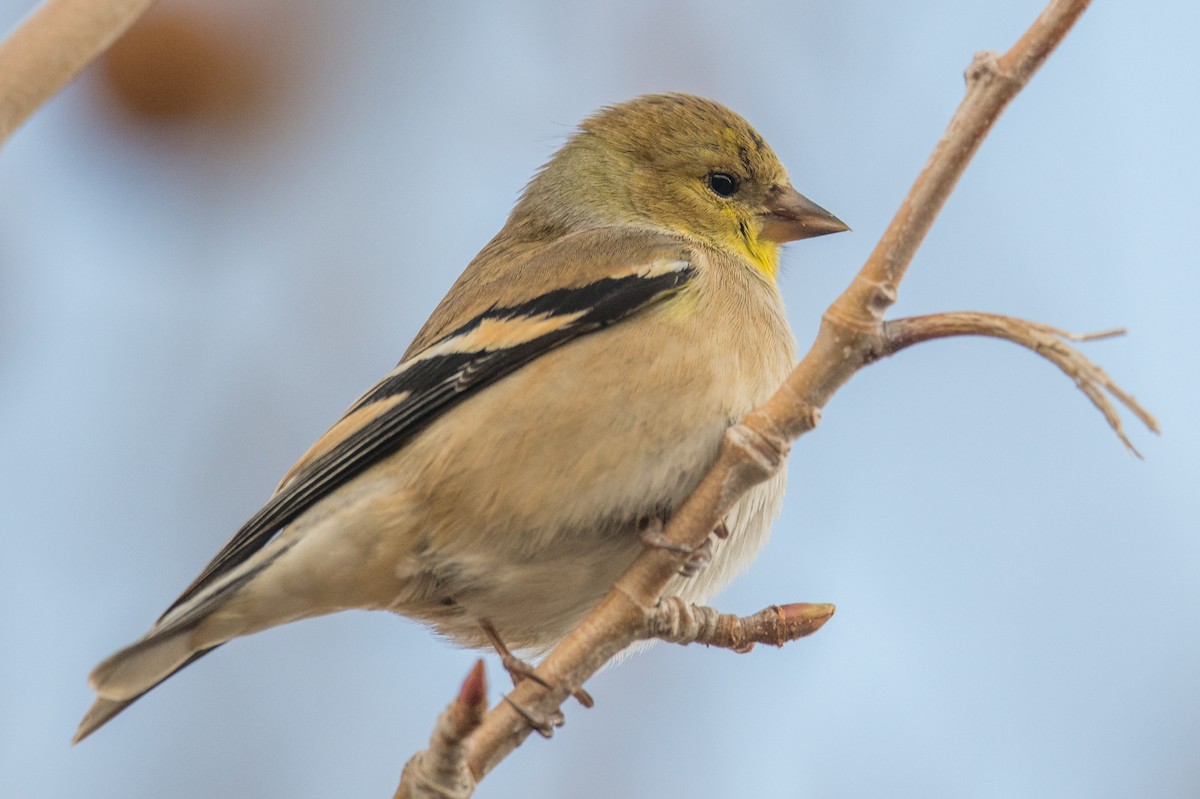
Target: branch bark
{"type": "Point", "coordinates": [51, 46]}
{"type": "Point", "coordinates": [853, 334]}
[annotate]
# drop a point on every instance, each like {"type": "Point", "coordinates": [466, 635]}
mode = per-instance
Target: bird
{"type": "Point", "coordinates": [566, 395]}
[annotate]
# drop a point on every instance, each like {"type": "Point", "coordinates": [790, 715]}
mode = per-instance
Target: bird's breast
{"type": "Point", "coordinates": [527, 498]}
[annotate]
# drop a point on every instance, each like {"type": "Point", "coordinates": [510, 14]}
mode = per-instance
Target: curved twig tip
{"type": "Point", "coordinates": [1048, 342]}
{"type": "Point", "coordinates": [1098, 336]}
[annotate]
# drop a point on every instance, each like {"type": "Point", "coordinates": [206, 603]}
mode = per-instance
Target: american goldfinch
{"type": "Point", "coordinates": [572, 387]}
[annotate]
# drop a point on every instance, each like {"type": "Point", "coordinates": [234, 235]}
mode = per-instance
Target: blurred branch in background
{"type": "Point", "coordinates": [174, 64]}
{"type": "Point", "coordinates": [51, 46]}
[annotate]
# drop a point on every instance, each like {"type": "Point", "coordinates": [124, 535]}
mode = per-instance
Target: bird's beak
{"type": "Point", "coordinates": [789, 216]}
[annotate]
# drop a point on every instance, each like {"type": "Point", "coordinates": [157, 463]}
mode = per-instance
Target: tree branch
{"type": "Point", "coordinates": [51, 46]}
{"type": "Point", "coordinates": [852, 334]}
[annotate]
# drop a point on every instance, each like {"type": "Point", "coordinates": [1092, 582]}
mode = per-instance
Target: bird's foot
{"type": "Point", "coordinates": [697, 557]}
{"type": "Point", "coordinates": [541, 723]}
{"type": "Point", "coordinates": [519, 669]}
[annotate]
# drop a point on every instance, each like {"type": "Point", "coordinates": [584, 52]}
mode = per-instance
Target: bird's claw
{"type": "Point", "coordinates": [521, 670]}
{"type": "Point", "coordinates": [697, 560]}
{"type": "Point", "coordinates": [697, 557]}
{"type": "Point", "coordinates": [541, 723]}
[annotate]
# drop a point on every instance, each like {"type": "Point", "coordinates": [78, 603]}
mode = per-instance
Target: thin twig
{"type": "Point", "coordinates": [1048, 342]}
{"type": "Point", "coordinates": [679, 622]}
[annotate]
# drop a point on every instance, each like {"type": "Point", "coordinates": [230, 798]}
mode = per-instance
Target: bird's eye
{"type": "Point", "coordinates": [723, 184]}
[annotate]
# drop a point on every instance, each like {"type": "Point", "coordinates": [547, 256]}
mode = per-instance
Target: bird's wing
{"type": "Point", "coordinates": [426, 385]}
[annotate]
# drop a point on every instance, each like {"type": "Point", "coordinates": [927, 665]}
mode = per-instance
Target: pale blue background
{"type": "Point", "coordinates": [182, 312]}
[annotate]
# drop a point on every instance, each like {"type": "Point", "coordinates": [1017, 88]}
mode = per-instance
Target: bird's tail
{"type": "Point", "coordinates": [104, 709]}
{"type": "Point", "coordinates": [183, 634]}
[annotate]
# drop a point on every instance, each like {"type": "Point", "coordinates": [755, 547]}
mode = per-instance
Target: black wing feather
{"type": "Point", "coordinates": [434, 385]}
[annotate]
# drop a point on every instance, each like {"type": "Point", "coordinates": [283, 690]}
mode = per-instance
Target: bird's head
{"type": "Point", "coordinates": [682, 163]}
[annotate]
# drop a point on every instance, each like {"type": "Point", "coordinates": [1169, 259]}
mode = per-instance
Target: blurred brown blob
{"type": "Point", "coordinates": [176, 65]}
